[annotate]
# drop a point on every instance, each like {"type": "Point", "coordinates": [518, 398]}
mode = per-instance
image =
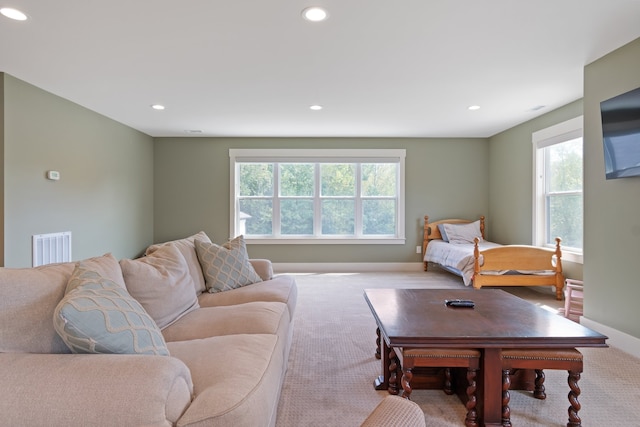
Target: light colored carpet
{"type": "Point", "coordinates": [332, 365]}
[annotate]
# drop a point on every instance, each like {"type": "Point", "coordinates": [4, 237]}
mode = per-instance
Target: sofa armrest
{"type": "Point", "coordinates": [93, 389]}
{"type": "Point", "coordinates": [263, 267]}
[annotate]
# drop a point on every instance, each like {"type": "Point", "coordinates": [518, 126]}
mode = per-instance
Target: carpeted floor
{"type": "Point", "coordinates": [332, 365]}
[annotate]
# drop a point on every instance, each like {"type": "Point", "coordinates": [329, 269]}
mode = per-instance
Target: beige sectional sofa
{"type": "Point", "coordinates": [219, 359]}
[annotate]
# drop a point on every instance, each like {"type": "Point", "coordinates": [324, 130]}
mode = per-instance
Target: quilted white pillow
{"type": "Point", "coordinates": [463, 233]}
{"type": "Point", "coordinates": [226, 267]}
{"type": "Point", "coordinates": [98, 315]}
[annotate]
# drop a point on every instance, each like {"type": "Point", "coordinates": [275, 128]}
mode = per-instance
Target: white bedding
{"type": "Point", "coordinates": [455, 255]}
{"type": "Point", "coordinates": [459, 256]}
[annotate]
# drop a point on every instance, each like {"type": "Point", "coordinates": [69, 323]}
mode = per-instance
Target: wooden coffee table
{"type": "Point", "coordinates": [418, 318]}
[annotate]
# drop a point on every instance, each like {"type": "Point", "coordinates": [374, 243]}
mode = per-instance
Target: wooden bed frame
{"type": "Point", "coordinates": [508, 257]}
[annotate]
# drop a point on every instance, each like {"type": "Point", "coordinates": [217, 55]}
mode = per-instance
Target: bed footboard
{"type": "Point", "coordinates": [536, 266]}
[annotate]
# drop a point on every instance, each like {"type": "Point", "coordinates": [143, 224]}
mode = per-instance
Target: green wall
{"type": "Point", "coordinates": [105, 194]}
{"type": "Point", "coordinates": [444, 178]}
{"type": "Point", "coordinates": [612, 208]}
{"type": "Point", "coordinates": [511, 181]}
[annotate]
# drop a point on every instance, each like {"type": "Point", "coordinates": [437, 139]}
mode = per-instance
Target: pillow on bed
{"type": "Point", "coordinates": [463, 233]}
{"type": "Point", "coordinates": [443, 232]}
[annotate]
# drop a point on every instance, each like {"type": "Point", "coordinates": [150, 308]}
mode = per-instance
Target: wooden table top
{"type": "Point", "coordinates": [420, 318]}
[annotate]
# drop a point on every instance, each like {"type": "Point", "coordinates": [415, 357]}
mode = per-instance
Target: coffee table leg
{"type": "Point", "coordinates": [382, 381]}
{"type": "Point", "coordinates": [574, 392]}
{"type": "Point", "coordinates": [378, 343]}
{"type": "Point", "coordinates": [393, 372]}
{"type": "Point", "coordinates": [491, 363]}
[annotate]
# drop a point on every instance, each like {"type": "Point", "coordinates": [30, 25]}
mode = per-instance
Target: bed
{"type": "Point", "coordinates": [459, 246]}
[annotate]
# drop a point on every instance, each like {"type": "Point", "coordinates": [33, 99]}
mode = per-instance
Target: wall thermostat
{"type": "Point", "coordinates": [53, 175]}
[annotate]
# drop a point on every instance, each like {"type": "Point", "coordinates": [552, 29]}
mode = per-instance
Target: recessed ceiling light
{"type": "Point", "coordinates": [13, 14]}
{"type": "Point", "coordinates": [193, 131]}
{"type": "Point", "coordinates": [474, 107]}
{"type": "Point", "coordinates": [315, 14]}
{"type": "Point", "coordinates": [157, 107]}
{"type": "Point", "coordinates": [316, 107]}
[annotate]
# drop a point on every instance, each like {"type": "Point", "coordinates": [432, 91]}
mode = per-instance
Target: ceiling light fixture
{"type": "Point", "coordinates": [315, 14]}
{"type": "Point", "coordinates": [13, 14]}
{"type": "Point", "coordinates": [316, 107]}
{"type": "Point", "coordinates": [157, 107]}
{"type": "Point", "coordinates": [473, 107]}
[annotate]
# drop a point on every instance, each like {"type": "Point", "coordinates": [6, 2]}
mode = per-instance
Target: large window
{"type": "Point", "coordinates": [558, 201]}
{"type": "Point", "coordinates": [318, 196]}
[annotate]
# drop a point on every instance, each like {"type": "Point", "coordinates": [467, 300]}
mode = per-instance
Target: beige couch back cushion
{"type": "Point", "coordinates": [28, 298]}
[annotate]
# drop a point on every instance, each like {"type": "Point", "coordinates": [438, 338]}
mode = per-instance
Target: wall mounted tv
{"type": "Point", "coordinates": [621, 135]}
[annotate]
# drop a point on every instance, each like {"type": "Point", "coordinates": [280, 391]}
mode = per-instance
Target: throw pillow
{"type": "Point", "coordinates": [188, 250]}
{"type": "Point", "coordinates": [161, 282]}
{"type": "Point", "coordinates": [463, 233]}
{"type": "Point", "coordinates": [443, 232]}
{"type": "Point", "coordinates": [98, 315]}
{"type": "Point", "coordinates": [226, 267]}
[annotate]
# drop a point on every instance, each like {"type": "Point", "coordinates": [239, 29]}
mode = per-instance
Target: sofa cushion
{"type": "Point", "coordinates": [28, 297]}
{"type": "Point", "coordinates": [236, 379]}
{"type": "Point", "coordinates": [226, 267]}
{"type": "Point", "coordinates": [98, 315]}
{"type": "Point", "coordinates": [161, 282]}
{"type": "Point", "coordinates": [280, 289]}
{"type": "Point", "coordinates": [188, 250]}
{"type": "Point", "coordinates": [250, 318]}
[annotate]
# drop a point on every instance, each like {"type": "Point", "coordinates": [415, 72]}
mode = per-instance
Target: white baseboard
{"type": "Point", "coordinates": [621, 340]}
{"type": "Point", "coordinates": [345, 267]}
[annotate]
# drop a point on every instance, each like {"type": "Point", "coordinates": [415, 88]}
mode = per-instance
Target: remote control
{"type": "Point", "coordinates": [465, 303]}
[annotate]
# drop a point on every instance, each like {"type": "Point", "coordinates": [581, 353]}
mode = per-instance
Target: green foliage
{"type": "Point", "coordinates": [564, 193]}
{"type": "Point", "coordinates": [296, 195]}
{"type": "Point", "coordinates": [338, 217]}
{"type": "Point", "coordinates": [296, 179]}
{"type": "Point", "coordinates": [379, 179]}
{"type": "Point", "coordinates": [338, 179]}
{"type": "Point", "coordinates": [256, 179]}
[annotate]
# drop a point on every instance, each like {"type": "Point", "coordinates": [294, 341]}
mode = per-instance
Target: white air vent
{"type": "Point", "coordinates": [51, 248]}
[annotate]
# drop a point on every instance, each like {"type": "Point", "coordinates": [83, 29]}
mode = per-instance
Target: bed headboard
{"type": "Point", "coordinates": [432, 232]}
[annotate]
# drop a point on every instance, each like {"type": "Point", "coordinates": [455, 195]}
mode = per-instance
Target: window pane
{"type": "Point", "coordinates": [257, 216]}
{"type": "Point", "coordinates": [296, 179]}
{"type": "Point", "coordinates": [565, 220]}
{"type": "Point", "coordinates": [379, 179]}
{"type": "Point", "coordinates": [296, 217]}
{"type": "Point", "coordinates": [256, 179]}
{"type": "Point", "coordinates": [564, 163]}
{"type": "Point", "coordinates": [338, 179]}
{"type": "Point", "coordinates": [379, 217]}
{"type": "Point", "coordinates": [338, 217]}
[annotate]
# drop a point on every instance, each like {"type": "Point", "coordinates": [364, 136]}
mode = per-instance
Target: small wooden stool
{"type": "Point", "coordinates": [573, 300]}
{"type": "Point", "coordinates": [568, 359]}
{"type": "Point", "coordinates": [443, 358]}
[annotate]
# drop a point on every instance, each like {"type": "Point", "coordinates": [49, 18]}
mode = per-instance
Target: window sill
{"type": "Point", "coordinates": [324, 241]}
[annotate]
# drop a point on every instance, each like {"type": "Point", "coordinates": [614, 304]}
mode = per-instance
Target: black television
{"type": "Point", "coordinates": [621, 135]}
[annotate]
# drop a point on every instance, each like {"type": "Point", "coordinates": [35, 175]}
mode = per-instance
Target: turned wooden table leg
{"type": "Point", "coordinates": [574, 419]}
{"type": "Point", "coordinates": [538, 391]}
{"type": "Point", "coordinates": [393, 372]}
{"type": "Point", "coordinates": [506, 397]}
{"type": "Point", "coordinates": [378, 356]}
{"type": "Point", "coordinates": [407, 376]}
{"type": "Point", "coordinates": [471, 419]}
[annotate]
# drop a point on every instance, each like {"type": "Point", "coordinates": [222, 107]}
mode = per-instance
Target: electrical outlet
{"type": "Point", "coordinates": [418, 249]}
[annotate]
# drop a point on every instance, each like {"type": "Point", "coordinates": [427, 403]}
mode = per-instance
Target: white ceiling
{"type": "Point", "coordinates": [380, 68]}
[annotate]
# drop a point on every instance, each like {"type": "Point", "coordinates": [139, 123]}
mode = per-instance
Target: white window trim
{"type": "Point", "coordinates": [346, 155]}
{"type": "Point", "coordinates": [552, 135]}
